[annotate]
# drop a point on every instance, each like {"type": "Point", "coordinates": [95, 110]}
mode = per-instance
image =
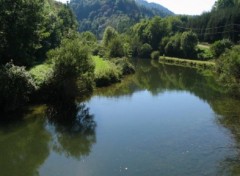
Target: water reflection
{"type": "Point", "coordinates": [27, 143]}
{"type": "Point", "coordinates": [228, 112]}
{"type": "Point", "coordinates": [157, 78]}
{"type": "Point", "coordinates": [74, 129]}
{"type": "Point", "coordinates": [23, 146]}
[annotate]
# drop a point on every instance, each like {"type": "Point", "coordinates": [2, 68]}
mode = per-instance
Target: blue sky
{"type": "Point", "coordinates": [189, 7]}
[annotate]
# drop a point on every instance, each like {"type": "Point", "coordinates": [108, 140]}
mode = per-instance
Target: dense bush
{"type": "Point", "coordinates": [189, 42]}
{"type": "Point", "coordinates": [72, 71]}
{"type": "Point", "coordinates": [145, 51]}
{"type": "Point", "coordinates": [228, 66]}
{"type": "Point", "coordinates": [106, 72]}
{"type": "Point", "coordinates": [16, 85]}
{"type": "Point", "coordinates": [116, 48]}
{"type": "Point", "coordinates": [155, 55]}
{"type": "Point", "coordinates": [125, 66]}
{"type": "Point", "coordinates": [218, 47]}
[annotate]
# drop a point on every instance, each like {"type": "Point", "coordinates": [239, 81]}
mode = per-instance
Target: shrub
{"type": "Point", "coordinates": [155, 55]}
{"type": "Point", "coordinates": [145, 51]}
{"type": "Point", "coordinates": [16, 87]}
{"type": "Point", "coordinates": [106, 72]}
{"type": "Point", "coordinates": [228, 66]}
{"type": "Point", "coordinates": [125, 66]}
{"type": "Point", "coordinates": [72, 71]}
{"type": "Point", "coordinates": [116, 48]}
{"type": "Point", "coordinates": [219, 47]}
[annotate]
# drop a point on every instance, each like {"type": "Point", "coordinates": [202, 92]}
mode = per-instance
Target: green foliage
{"type": "Point", "coordinates": [145, 51]}
{"type": "Point", "coordinates": [189, 42]}
{"type": "Point", "coordinates": [116, 48]}
{"type": "Point", "coordinates": [125, 66]}
{"type": "Point", "coordinates": [221, 4]}
{"type": "Point", "coordinates": [105, 72]}
{"type": "Point", "coordinates": [16, 87]}
{"type": "Point", "coordinates": [28, 29]}
{"type": "Point", "coordinates": [20, 30]}
{"type": "Point", "coordinates": [172, 46]}
{"type": "Point", "coordinates": [155, 55]}
{"type": "Point", "coordinates": [222, 22]}
{"type": "Point", "coordinates": [109, 34]}
{"type": "Point", "coordinates": [219, 47]}
{"type": "Point", "coordinates": [40, 74]}
{"type": "Point", "coordinates": [96, 15]}
{"type": "Point", "coordinates": [72, 71]}
{"type": "Point", "coordinates": [228, 66]}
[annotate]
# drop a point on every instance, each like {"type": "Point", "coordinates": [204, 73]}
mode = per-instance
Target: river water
{"type": "Point", "coordinates": [163, 120]}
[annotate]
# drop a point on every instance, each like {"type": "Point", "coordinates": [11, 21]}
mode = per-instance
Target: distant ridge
{"type": "Point", "coordinates": [157, 8]}
{"type": "Point", "coordinates": [96, 15]}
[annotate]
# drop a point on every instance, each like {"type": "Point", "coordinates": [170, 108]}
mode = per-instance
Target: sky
{"type": "Point", "coordinates": [188, 7]}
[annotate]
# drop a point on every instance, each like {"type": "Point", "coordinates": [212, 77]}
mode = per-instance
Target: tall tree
{"type": "Point", "coordinates": [20, 30]}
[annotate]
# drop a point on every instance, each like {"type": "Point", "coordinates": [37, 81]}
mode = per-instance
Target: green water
{"type": "Point", "coordinates": [164, 120]}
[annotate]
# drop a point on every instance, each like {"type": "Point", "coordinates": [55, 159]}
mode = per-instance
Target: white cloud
{"type": "Point", "coordinates": [190, 7]}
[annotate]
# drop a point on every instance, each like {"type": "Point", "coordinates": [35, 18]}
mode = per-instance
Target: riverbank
{"type": "Point", "coordinates": [187, 62]}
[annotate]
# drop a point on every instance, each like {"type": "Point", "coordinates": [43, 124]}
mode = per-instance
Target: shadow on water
{"type": "Point", "coordinates": [25, 144]}
{"type": "Point", "coordinates": [228, 112]}
{"type": "Point", "coordinates": [74, 127]}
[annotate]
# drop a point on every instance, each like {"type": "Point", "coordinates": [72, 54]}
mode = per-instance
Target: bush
{"type": "Point", "coordinates": [125, 66]}
{"type": "Point", "coordinates": [155, 55]}
{"type": "Point", "coordinates": [228, 66]}
{"type": "Point", "coordinates": [116, 48]}
{"type": "Point", "coordinates": [72, 71]}
{"type": "Point", "coordinates": [16, 87]}
{"type": "Point", "coordinates": [219, 47]}
{"type": "Point", "coordinates": [106, 72]}
{"type": "Point", "coordinates": [145, 51]}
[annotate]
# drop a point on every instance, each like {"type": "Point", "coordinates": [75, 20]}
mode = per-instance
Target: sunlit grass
{"type": "Point", "coordinates": [40, 73]}
{"type": "Point", "coordinates": [188, 62]}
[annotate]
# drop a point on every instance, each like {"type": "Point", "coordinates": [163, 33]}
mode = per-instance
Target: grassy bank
{"type": "Point", "coordinates": [187, 62]}
{"type": "Point", "coordinates": [105, 72]}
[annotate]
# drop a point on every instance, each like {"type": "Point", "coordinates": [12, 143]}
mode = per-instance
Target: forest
{"type": "Point", "coordinates": [52, 52]}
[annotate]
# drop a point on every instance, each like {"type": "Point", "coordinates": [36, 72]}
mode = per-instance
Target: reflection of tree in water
{"type": "Point", "coordinates": [74, 128]}
{"type": "Point", "coordinates": [24, 147]}
{"type": "Point", "coordinates": [228, 109]}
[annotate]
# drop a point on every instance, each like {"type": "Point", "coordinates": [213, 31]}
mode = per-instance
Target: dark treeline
{"type": "Point", "coordinates": [222, 22]}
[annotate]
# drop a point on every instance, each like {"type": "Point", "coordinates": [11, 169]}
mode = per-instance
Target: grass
{"type": "Point", "coordinates": [105, 72]}
{"type": "Point", "coordinates": [101, 65]}
{"type": "Point", "coordinates": [40, 73]}
{"type": "Point", "coordinates": [188, 62]}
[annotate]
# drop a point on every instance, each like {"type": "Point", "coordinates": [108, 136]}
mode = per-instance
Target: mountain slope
{"type": "Point", "coordinates": [155, 8]}
{"type": "Point", "coordinates": [96, 15]}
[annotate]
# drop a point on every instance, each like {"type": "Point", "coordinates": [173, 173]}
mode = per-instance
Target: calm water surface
{"type": "Point", "coordinates": [164, 120]}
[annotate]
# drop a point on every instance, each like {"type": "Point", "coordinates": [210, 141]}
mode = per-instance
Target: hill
{"type": "Point", "coordinates": [155, 8]}
{"type": "Point", "coordinates": [95, 15]}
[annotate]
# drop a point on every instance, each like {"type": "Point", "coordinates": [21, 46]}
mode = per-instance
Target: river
{"type": "Point", "coordinates": [163, 120]}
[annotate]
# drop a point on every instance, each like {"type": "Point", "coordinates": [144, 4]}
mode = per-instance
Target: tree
{"type": "Point", "coordinates": [189, 42]}
{"type": "Point", "coordinates": [116, 48]}
{"type": "Point", "coordinates": [16, 87]}
{"type": "Point", "coordinates": [219, 47]}
{"type": "Point", "coordinates": [109, 34]}
{"type": "Point", "coordinates": [72, 71]}
{"type": "Point", "coordinates": [20, 30]}
{"type": "Point", "coordinates": [145, 50]}
{"type": "Point", "coordinates": [228, 67]}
